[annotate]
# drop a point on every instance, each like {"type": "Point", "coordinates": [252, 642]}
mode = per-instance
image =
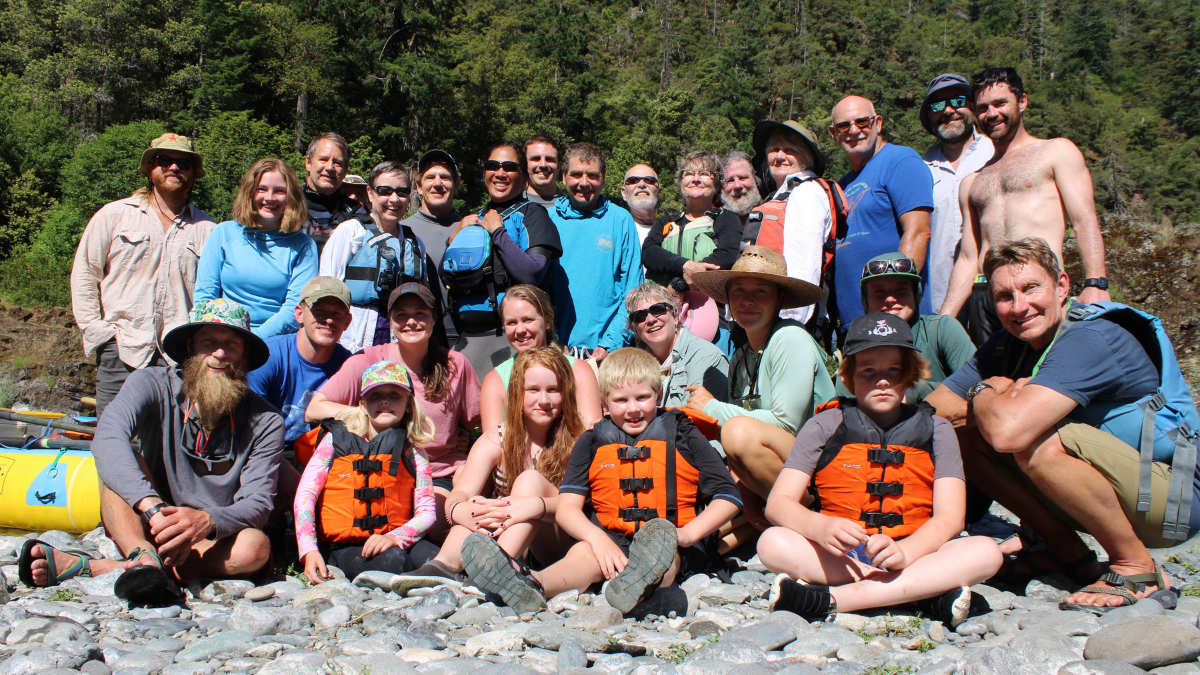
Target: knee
{"type": "Point", "coordinates": [1034, 460]}
{"type": "Point", "coordinates": [250, 551]}
{"type": "Point", "coordinates": [738, 437]}
{"type": "Point", "coordinates": [987, 557]}
{"type": "Point", "coordinates": [776, 541]}
{"type": "Point", "coordinates": [529, 484]}
{"type": "Point", "coordinates": [394, 559]}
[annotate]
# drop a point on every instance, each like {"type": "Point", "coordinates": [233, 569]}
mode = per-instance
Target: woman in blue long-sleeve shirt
{"type": "Point", "coordinates": [262, 258]}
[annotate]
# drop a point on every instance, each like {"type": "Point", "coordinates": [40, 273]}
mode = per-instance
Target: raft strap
{"type": "Point", "coordinates": [881, 456]}
{"type": "Point", "coordinates": [880, 489]}
{"type": "Point", "coordinates": [881, 519]}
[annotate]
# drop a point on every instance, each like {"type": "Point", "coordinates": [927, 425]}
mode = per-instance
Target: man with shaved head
{"type": "Point", "coordinates": [890, 194]}
{"type": "Point", "coordinates": [640, 190]}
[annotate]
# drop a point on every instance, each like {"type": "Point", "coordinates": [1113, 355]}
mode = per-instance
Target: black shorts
{"type": "Point", "coordinates": [695, 559]}
{"type": "Point", "coordinates": [444, 482]}
{"type": "Point", "coordinates": [982, 319]}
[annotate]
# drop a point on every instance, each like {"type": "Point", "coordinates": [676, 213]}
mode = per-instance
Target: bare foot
{"type": "Point", "coordinates": [63, 561]}
{"type": "Point", "coordinates": [1126, 569]}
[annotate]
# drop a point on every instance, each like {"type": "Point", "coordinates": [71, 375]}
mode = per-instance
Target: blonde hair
{"type": "Point", "coordinates": [538, 299]}
{"type": "Point", "coordinates": [560, 438]}
{"type": "Point", "coordinates": [630, 365]}
{"type": "Point", "coordinates": [295, 213]}
{"type": "Point", "coordinates": [420, 427]}
{"type": "Point", "coordinates": [913, 368]}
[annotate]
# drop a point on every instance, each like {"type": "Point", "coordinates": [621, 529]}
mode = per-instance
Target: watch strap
{"type": "Point", "coordinates": [1096, 282]}
{"type": "Point", "coordinates": [149, 513]}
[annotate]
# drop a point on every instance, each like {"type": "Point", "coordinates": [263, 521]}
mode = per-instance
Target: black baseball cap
{"type": "Point", "coordinates": [411, 288]}
{"type": "Point", "coordinates": [878, 329]}
{"type": "Point", "coordinates": [436, 157]}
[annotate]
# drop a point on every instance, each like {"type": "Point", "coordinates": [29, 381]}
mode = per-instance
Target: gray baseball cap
{"type": "Point", "coordinates": [938, 85]}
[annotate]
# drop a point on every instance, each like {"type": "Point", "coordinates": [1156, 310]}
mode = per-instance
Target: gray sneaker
{"type": "Point", "coordinates": [495, 572]}
{"type": "Point", "coordinates": [650, 556]}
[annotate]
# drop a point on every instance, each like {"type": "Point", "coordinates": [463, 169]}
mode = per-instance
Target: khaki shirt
{"type": "Point", "coordinates": [132, 279]}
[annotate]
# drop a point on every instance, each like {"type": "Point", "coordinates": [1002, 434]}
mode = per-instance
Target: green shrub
{"type": "Point", "coordinates": [231, 143]}
{"type": "Point", "coordinates": [40, 273]}
{"type": "Point", "coordinates": [105, 168]}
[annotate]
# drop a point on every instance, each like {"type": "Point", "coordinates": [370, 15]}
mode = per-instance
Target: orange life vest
{"type": "Point", "coordinates": [635, 481]}
{"type": "Point", "coordinates": [306, 445]}
{"type": "Point", "coordinates": [883, 479]}
{"type": "Point", "coordinates": [707, 424]}
{"type": "Point", "coordinates": [370, 486]}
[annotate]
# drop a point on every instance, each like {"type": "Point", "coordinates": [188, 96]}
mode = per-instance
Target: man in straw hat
{"type": "Point", "coordinates": [188, 502]}
{"type": "Point", "coordinates": [136, 265]}
{"type": "Point", "coordinates": [776, 379]}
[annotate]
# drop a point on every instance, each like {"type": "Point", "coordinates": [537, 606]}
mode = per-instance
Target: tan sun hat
{"type": "Point", "coordinates": [353, 179]}
{"type": "Point", "coordinates": [759, 262]}
{"type": "Point", "coordinates": [173, 142]}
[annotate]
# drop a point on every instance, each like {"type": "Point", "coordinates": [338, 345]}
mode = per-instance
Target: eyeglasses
{"type": "Point", "coordinates": [899, 266]}
{"type": "Point", "coordinates": [954, 102]}
{"type": "Point", "coordinates": [703, 173]}
{"type": "Point", "coordinates": [165, 162]}
{"type": "Point", "coordinates": [861, 123]}
{"type": "Point", "coordinates": [508, 167]}
{"type": "Point", "coordinates": [387, 190]}
{"type": "Point", "coordinates": [657, 309]}
{"type": "Point", "coordinates": [634, 180]}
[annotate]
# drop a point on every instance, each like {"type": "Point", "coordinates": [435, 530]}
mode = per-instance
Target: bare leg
{"type": "Point", "coordinates": [451, 551]}
{"type": "Point", "coordinates": [1085, 494]}
{"type": "Point", "coordinates": [516, 539]}
{"type": "Point", "coordinates": [120, 520]}
{"type": "Point", "coordinates": [285, 491]}
{"type": "Point", "coordinates": [756, 452]}
{"type": "Point", "coordinates": [239, 555]}
{"type": "Point", "coordinates": [960, 562]}
{"type": "Point", "coordinates": [578, 569]}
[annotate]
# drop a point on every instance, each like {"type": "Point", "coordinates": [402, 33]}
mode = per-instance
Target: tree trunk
{"type": "Point", "coordinates": [664, 79]}
{"type": "Point", "coordinates": [301, 115]}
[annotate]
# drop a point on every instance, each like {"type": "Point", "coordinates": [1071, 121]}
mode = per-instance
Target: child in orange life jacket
{"type": "Point", "coordinates": [366, 496]}
{"type": "Point", "coordinates": [888, 496]}
{"type": "Point", "coordinates": [658, 493]}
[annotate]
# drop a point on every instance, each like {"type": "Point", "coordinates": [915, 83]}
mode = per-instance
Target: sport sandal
{"type": "Point", "coordinates": [495, 571]}
{"type": "Point", "coordinates": [650, 556]}
{"type": "Point", "coordinates": [80, 568]}
{"type": "Point", "coordinates": [1125, 587]}
{"type": "Point", "coordinates": [146, 585]}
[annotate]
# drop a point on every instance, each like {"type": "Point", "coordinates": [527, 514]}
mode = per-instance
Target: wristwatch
{"type": "Point", "coordinates": [978, 387]}
{"type": "Point", "coordinates": [149, 513]}
{"type": "Point", "coordinates": [1096, 282]}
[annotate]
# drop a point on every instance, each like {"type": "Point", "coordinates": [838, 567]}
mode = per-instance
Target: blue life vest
{"type": "Point", "coordinates": [1163, 427]}
{"type": "Point", "coordinates": [382, 263]}
{"type": "Point", "coordinates": [475, 276]}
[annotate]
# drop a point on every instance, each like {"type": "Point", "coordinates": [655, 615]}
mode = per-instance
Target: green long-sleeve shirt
{"type": "Point", "coordinates": [792, 380]}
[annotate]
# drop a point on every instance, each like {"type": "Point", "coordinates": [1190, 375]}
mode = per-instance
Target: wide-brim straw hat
{"type": "Point", "coordinates": [173, 142]}
{"type": "Point", "coordinates": [759, 262]}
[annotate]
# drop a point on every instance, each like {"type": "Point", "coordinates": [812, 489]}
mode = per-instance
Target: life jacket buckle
{"type": "Point", "coordinates": [631, 515]}
{"type": "Point", "coordinates": [881, 456]}
{"type": "Point", "coordinates": [370, 523]}
{"type": "Point", "coordinates": [367, 465]}
{"type": "Point", "coordinates": [633, 452]}
{"type": "Point", "coordinates": [880, 489]}
{"type": "Point", "coordinates": [633, 484]}
{"type": "Point", "coordinates": [877, 519]}
{"type": "Point", "coordinates": [365, 494]}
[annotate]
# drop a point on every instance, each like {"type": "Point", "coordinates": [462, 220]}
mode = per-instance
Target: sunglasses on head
{"type": "Point", "coordinates": [657, 309]}
{"type": "Point", "coordinates": [495, 165]}
{"type": "Point", "coordinates": [861, 123]}
{"type": "Point", "coordinates": [165, 162]}
{"type": "Point", "coordinates": [959, 101]}
{"type": "Point", "coordinates": [387, 190]}
{"type": "Point", "coordinates": [634, 180]}
{"type": "Point", "coordinates": [899, 266]}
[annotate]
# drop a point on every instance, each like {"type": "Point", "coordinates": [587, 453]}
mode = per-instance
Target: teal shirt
{"type": "Point", "coordinates": [792, 380]}
{"type": "Point", "coordinates": [944, 343]}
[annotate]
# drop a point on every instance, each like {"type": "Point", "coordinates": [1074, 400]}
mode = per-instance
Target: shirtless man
{"type": "Point", "coordinates": [1030, 188]}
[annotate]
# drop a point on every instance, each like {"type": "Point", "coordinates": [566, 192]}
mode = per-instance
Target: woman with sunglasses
{"type": "Point", "coordinates": [685, 359]}
{"type": "Point", "coordinates": [528, 324]}
{"type": "Point", "coordinates": [388, 191]}
{"type": "Point", "coordinates": [262, 258]}
{"type": "Point", "coordinates": [524, 241]}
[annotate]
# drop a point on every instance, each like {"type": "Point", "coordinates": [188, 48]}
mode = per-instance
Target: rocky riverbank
{"type": "Point", "coordinates": [383, 624]}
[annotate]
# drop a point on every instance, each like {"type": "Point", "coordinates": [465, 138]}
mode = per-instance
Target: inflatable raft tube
{"type": "Point", "coordinates": [49, 489]}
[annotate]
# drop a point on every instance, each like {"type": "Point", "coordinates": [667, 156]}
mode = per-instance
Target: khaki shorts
{"type": "Point", "coordinates": [1118, 463]}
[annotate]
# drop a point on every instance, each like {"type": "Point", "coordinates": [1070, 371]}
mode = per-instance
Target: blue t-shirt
{"type": "Point", "coordinates": [895, 181]}
{"type": "Point", "coordinates": [288, 380]}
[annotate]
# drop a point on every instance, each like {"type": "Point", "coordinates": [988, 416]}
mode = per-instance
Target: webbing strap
{"type": "Point", "coordinates": [672, 507]}
{"type": "Point", "coordinates": [881, 456]}
{"type": "Point", "coordinates": [1150, 410]}
{"type": "Point", "coordinates": [370, 522]}
{"type": "Point", "coordinates": [1179, 495]}
{"type": "Point", "coordinates": [367, 465]}
{"type": "Point", "coordinates": [881, 519]}
{"type": "Point", "coordinates": [633, 452]}
{"type": "Point", "coordinates": [632, 515]}
{"type": "Point", "coordinates": [365, 493]}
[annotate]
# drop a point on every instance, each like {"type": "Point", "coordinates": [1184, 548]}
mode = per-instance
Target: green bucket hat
{"type": "Point", "coordinates": [889, 261]}
{"type": "Point", "coordinates": [173, 142]}
{"type": "Point", "coordinates": [762, 134]}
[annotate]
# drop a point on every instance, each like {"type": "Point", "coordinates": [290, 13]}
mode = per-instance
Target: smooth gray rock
{"type": "Point", "coordinates": [997, 661]}
{"type": "Point", "coordinates": [799, 669]}
{"type": "Point", "coordinates": [375, 579]}
{"type": "Point", "coordinates": [150, 661]}
{"type": "Point", "coordinates": [551, 637]}
{"type": "Point", "coordinates": [492, 642]}
{"type": "Point", "coordinates": [1100, 667]}
{"type": "Point", "coordinates": [376, 664]}
{"type": "Point", "coordinates": [334, 616]}
{"type": "Point", "coordinates": [824, 642]}
{"type": "Point", "coordinates": [724, 594]}
{"type": "Point", "coordinates": [730, 651]}
{"type": "Point", "coordinates": [1146, 642]}
{"type": "Point", "coordinates": [869, 655]}
{"type": "Point", "coordinates": [474, 616]}
{"type": "Point", "coordinates": [594, 618]}
{"type": "Point", "coordinates": [1144, 607]}
{"type": "Point", "coordinates": [798, 623]}
{"type": "Point", "coordinates": [253, 620]}
{"type": "Point", "coordinates": [613, 664]}
{"type": "Point", "coordinates": [187, 669]}
{"type": "Point", "coordinates": [710, 667]}
{"type": "Point", "coordinates": [428, 612]}
{"type": "Point", "coordinates": [695, 583]}
{"type": "Point", "coordinates": [571, 655]}
{"type": "Point", "coordinates": [225, 642]}
{"type": "Point", "coordinates": [938, 666]}
{"type": "Point", "coordinates": [368, 646]}
{"type": "Point", "coordinates": [166, 645]}
{"type": "Point", "coordinates": [259, 593]}
{"type": "Point", "coordinates": [1050, 649]}
{"type": "Point", "coordinates": [544, 661]}
{"type": "Point", "coordinates": [459, 666]}
{"type": "Point", "coordinates": [156, 628]}
{"type": "Point", "coordinates": [409, 640]}
{"type": "Point", "coordinates": [335, 592]}
{"type": "Point", "coordinates": [1178, 669]}
{"type": "Point", "coordinates": [66, 633]}
{"type": "Point", "coordinates": [295, 663]}
{"type": "Point", "coordinates": [766, 635]}
{"type": "Point", "coordinates": [702, 628]}
{"type": "Point", "coordinates": [505, 669]}
{"type": "Point", "coordinates": [39, 658]}
{"type": "Point", "coordinates": [843, 668]}
{"type": "Point", "coordinates": [100, 668]}
{"type": "Point", "coordinates": [1049, 588]}
{"type": "Point", "coordinates": [102, 585]}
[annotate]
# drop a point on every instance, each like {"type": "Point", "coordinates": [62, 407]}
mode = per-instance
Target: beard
{"type": "Point", "coordinates": [946, 134]}
{"type": "Point", "coordinates": [215, 395]}
{"type": "Point", "coordinates": [744, 204]}
{"type": "Point", "coordinates": [642, 202]}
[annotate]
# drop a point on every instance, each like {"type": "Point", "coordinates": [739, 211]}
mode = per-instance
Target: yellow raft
{"type": "Point", "coordinates": [49, 489]}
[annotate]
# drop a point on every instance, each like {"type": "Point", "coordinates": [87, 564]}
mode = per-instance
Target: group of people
{"type": "Point", "coordinates": [655, 390]}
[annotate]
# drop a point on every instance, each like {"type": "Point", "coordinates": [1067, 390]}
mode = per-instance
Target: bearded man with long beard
{"type": "Point", "coordinates": [188, 502]}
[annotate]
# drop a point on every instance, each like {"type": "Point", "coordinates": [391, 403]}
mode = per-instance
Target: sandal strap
{"type": "Point", "coordinates": [79, 568]}
{"type": "Point", "coordinates": [1107, 590]}
{"type": "Point", "coordinates": [137, 553]}
{"type": "Point", "coordinates": [1136, 582]}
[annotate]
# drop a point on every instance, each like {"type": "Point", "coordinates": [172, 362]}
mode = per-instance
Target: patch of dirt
{"type": "Point", "coordinates": [42, 364]}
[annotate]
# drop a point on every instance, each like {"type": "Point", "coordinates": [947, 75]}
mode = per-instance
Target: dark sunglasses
{"type": "Point", "coordinates": [634, 180]}
{"type": "Point", "coordinates": [954, 102]}
{"type": "Point", "coordinates": [165, 162]}
{"type": "Point", "coordinates": [861, 123]}
{"type": "Point", "coordinates": [387, 191]}
{"type": "Point", "coordinates": [494, 165]}
{"type": "Point", "coordinates": [657, 309]}
{"type": "Point", "coordinates": [899, 266]}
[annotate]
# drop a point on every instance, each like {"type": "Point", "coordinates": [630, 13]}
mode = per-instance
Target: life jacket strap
{"type": "Point", "coordinates": [881, 519]}
{"type": "Point", "coordinates": [365, 494]}
{"type": "Point", "coordinates": [881, 456]}
{"type": "Point", "coordinates": [370, 522]}
{"type": "Point", "coordinates": [633, 452]}
{"type": "Point", "coordinates": [880, 489]}
{"type": "Point", "coordinates": [367, 465]}
{"type": "Point", "coordinates": [632, 484]}
{"type": "Point", "coordinates": [632, 515]}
